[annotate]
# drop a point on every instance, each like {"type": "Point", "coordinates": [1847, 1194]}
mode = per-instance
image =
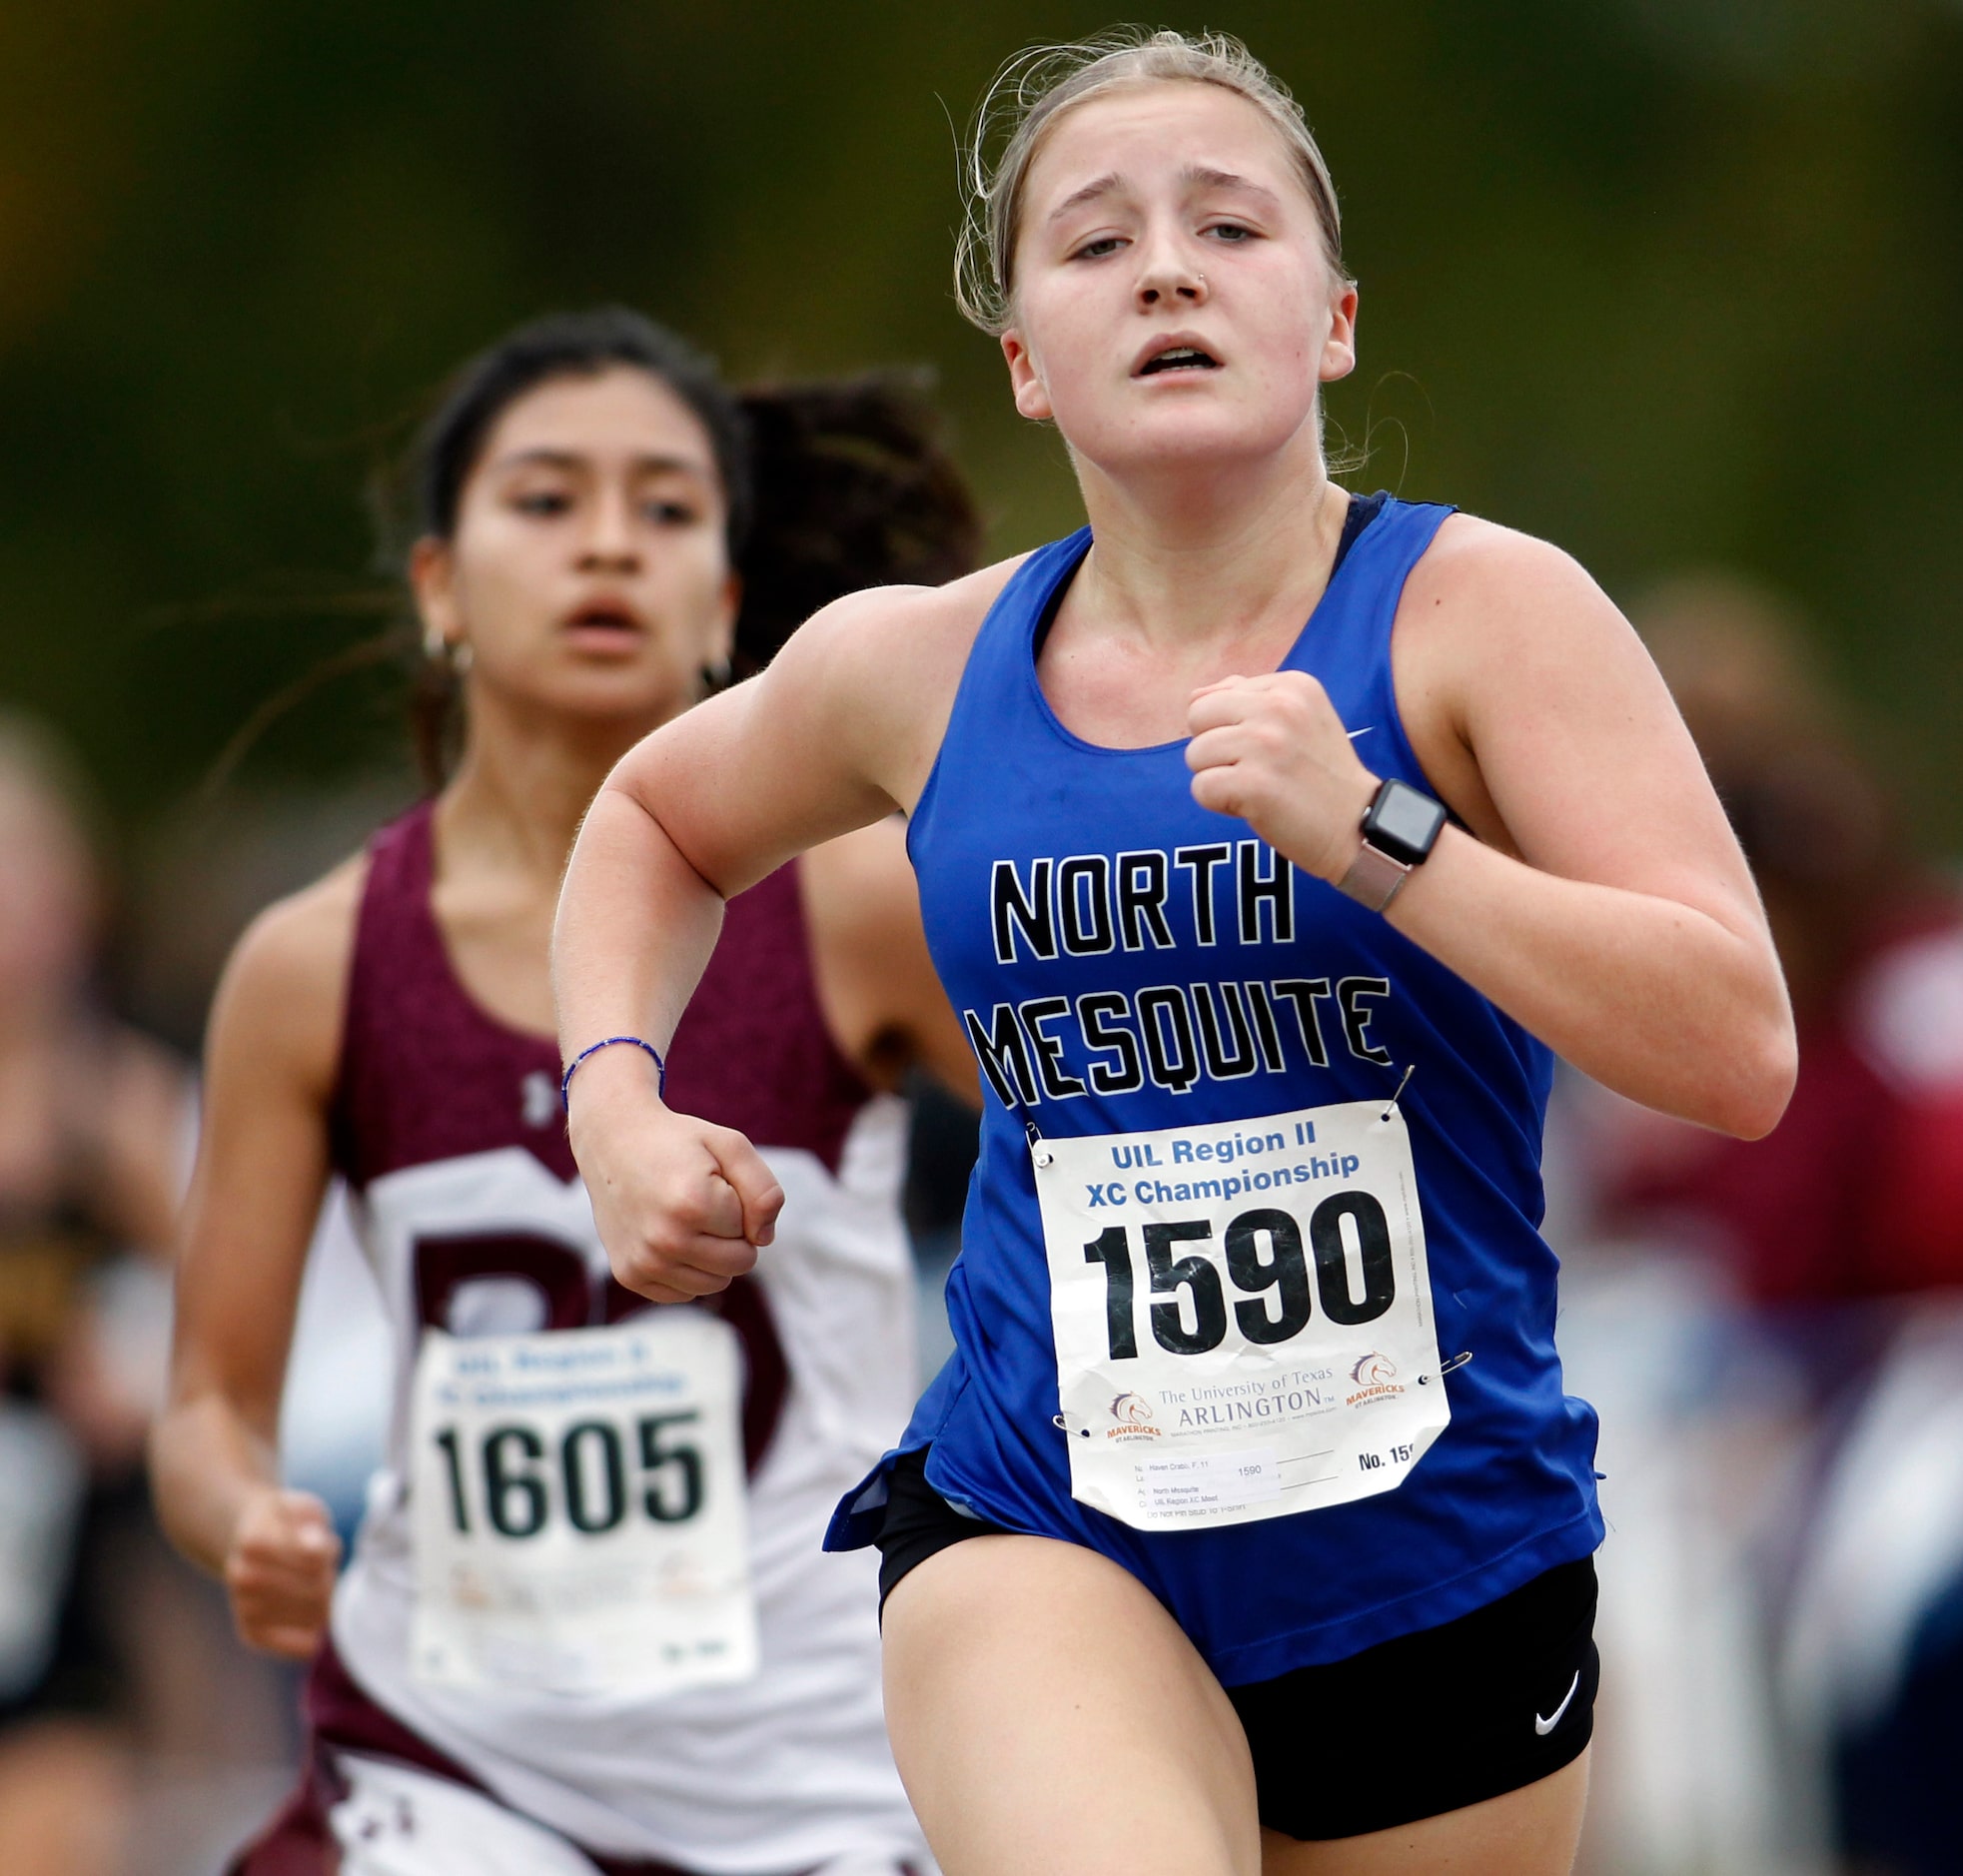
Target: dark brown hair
{"type": "Point", "coordinates": [831, 485]}
{"type": "Point", "coordinates": [561, 344]}
{"type": "Point", "coordinates": [853, 489]}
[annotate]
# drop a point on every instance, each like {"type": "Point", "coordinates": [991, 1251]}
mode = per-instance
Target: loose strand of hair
{"type": "Point", "coordinates": [364, 655]}
{"type": "Point", "coordinates": [1036, 84]}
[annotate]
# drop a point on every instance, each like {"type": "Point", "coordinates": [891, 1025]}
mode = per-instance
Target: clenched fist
{"type": "Point", "coordinates": [278, 1572]}
{"type": "Point", "coordinates": [681, 1206]}
{"type": "Point", "coordinates": [1274, 751]}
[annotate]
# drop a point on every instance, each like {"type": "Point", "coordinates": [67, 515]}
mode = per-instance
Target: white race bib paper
{"type": "Point", "coordinates": [1243, 1314]}
{"type": "Point", "coordinates": [577, 1510]}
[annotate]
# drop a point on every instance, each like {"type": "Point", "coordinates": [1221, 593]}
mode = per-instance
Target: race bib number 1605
{"type": "Point", "coordinates": [1243, 1314]}
{"type": "Point", "coordinates": [578, 1509]}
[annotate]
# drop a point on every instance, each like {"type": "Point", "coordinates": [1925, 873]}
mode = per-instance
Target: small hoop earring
{"type": "Point", "coordinates": [440, 650]}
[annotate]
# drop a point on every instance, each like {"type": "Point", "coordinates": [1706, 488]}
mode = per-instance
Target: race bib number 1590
{"type": "Point", "coordinates": [1243, 1314]}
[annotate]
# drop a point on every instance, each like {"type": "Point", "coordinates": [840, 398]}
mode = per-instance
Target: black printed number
{"type": "Point", "coordinates": [1266, 1262]}
{"type": "Point", "coordinates": [514, 1494]}
{"type": "Point", "coordinates": [1193, 1274]}
{"type": "Point", "coordinates": [1113, 1249]}
{"type": "Point", "coordinates": [519, 1487]}
{"type": "Point", "coordinates": [1366, 1218]}
{"type": "Point", "coordinates": [595, 1477]}
{"type": "Point", "coordinates": [678, 1466]}
{"type": "Point", "coordinates": [1284, 1270]}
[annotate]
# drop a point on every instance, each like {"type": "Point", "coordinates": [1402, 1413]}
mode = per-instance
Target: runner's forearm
{"type": "Point", "coordinates": [635, 927]}
{"type": "Point", "coordinates": [206, 1463]}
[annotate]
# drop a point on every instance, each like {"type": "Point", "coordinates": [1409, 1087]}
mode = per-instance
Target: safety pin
{"type": "Point", "coordinates": [1038, 1151]}
{"type": "Point", "coordinates": [1457, 1360]}
{"type": "Point", "coordinates": [1390, 1107]}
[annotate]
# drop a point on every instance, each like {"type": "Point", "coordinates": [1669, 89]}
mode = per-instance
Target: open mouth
{"type": "Point", "coordinates": [605, 618]}
{"type": "Point", "coordinates": [1179, 358]}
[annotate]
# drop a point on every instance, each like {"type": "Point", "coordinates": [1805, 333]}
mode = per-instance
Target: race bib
{"type": "Point", "coordinates": [1243, 1314]}
{"type": "Point", "coordinates": [577, 1510]}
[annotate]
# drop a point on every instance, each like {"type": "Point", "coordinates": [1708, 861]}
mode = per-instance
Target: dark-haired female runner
{"type": "Point", "coordinates": [587, 1621]}
{"type": "Point", "coordinates": [1268, 840]}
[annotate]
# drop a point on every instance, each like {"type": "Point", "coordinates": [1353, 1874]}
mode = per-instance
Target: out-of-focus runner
{"type": "Point", "coordinates": [94, 1119]}
{"type": "Point", "coordinates": [587, 1623]}
{"type": "Point", "coordinates": [1777, 1341]}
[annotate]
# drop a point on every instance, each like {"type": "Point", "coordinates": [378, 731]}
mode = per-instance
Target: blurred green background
{"type": "Point", "coordinates": [1672, 281]}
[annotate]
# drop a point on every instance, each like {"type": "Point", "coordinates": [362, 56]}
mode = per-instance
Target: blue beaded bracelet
{"type": "Point", "coordinates": [566, 1080]}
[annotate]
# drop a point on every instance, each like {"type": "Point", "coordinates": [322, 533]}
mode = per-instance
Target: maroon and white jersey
{"type": "Point", "coordinates": [448, 1130]}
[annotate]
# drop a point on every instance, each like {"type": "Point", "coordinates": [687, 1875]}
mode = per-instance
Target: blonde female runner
{"type": "Point", "coordinates": [1271, 841]}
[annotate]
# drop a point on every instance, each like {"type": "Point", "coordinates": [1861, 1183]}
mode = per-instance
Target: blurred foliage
{"type": "Point", "coordinates": [1671, 282]}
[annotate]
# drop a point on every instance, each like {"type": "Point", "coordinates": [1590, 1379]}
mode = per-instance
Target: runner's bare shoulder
{"type": "Point", "coordinates": [1489, 603]}
{"type": "Point", "coordinates": [285, 987]}
{"type": "Point", "coordinates": [879, 670]}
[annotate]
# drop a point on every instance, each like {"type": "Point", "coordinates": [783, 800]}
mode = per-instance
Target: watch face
{"type": "Point", "coordinates": [1404, 822]}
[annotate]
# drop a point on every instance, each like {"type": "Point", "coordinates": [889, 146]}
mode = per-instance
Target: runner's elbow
{"type": "Point", "coordinates": [1763, 1066]}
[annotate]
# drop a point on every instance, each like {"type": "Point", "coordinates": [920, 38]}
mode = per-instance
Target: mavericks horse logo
{"type": "Point", "coordinates": [1132, 1416]}
{"type": "Point", "coordinates": [1375, 1379]}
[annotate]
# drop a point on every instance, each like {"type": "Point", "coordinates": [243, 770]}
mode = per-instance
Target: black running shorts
{"type": "Point", "coordinates": [1411, 1728]}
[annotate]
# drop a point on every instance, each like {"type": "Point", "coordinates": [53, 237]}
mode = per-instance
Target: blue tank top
{"type": "Point", "coordinates": [1063, 882]}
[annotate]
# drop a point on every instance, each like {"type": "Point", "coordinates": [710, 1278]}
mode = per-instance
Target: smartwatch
{"type": "Point", "coordinates": [1399, 829]}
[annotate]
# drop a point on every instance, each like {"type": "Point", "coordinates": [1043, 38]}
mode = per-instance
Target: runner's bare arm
{"type": "Point", "coordinates": [262, 1167]}
{"type": "Point", "coordinates": [1601, 898]}
{"type": "Point", "coordinates": [841, 729]}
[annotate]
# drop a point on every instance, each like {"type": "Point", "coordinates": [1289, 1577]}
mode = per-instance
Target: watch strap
{"type": "Point", "coordinates": [1374, 878]}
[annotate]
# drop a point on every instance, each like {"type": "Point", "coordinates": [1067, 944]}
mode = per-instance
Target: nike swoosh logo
{"type": "Point", "coordinates": [1544, 1726]}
